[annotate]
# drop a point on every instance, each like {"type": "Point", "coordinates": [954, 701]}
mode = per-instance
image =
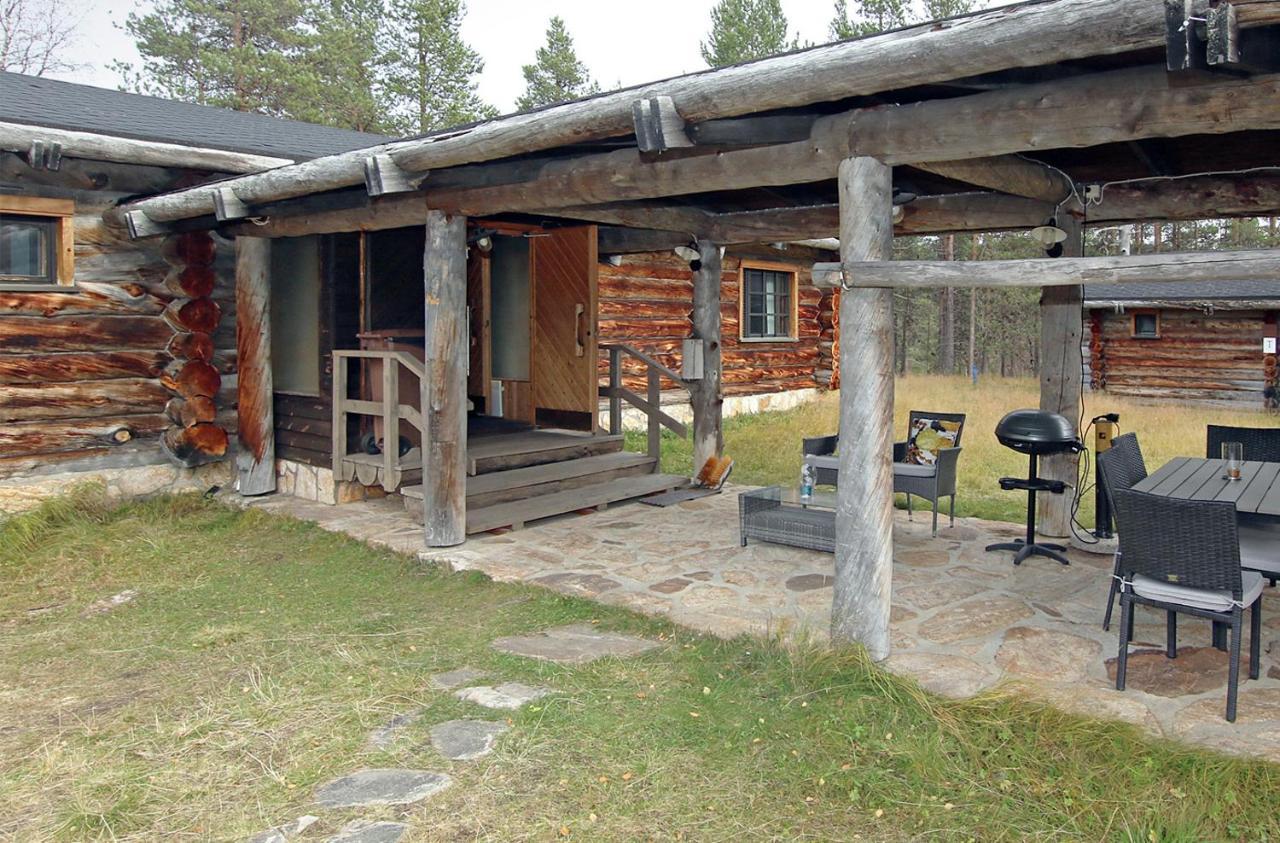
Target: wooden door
{"type": "Point", "coordinates": [479, 354]}
{"type": "Point", "coordinates": [563, 364]}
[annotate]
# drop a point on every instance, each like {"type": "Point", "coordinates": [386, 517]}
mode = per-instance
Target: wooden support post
{"type": "Point", "coordinates": [1061, 370]}
{"type": "Point", "coordinates": [615, 383]}
{"type": "Point", "coordinates": [864, 514]}
{"type": "Point", "coordinates": [444, 389]}
{"type": "Point", "coordinates": [705, 395]}
{"type": "Point", "coordinates": [256, 458]}
{"type": "Point", "coordinates": [390, 424]}
{"type": "Point", "coordinates": [654, 394]}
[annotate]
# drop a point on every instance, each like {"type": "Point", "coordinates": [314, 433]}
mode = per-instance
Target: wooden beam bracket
{"type": "Point", "coordinates": [382, 176]}
{"type": "Point", "coordinates": [227, 206]}
{"type": "Point", "coordinates": [44, 155]}
{"type": "Point", "coordinates": [1230, 48]}
{"type": "Point", "coordinates": [140, 225]}
{"type": "Point", "coordinates": [659, 126]}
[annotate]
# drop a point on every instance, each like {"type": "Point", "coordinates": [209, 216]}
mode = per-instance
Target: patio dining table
{"type": "Point", "coordinates": [1257, 492]}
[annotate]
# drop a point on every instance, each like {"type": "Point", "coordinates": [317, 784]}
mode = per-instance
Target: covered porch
{"type": "Point", "coordinates": [963, 620]}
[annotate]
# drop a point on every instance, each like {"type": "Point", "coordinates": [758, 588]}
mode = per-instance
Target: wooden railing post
{"type": "Point", "coordinates": [655, 400]}
{"type": "Point", "coordinates": [390, 423]}
{"type": "Point", "coordinates": [339, 426]}
{"type": "Point", "coordinates": [615, 381]}
{"type": "Point", "coordinates": [864, 507]}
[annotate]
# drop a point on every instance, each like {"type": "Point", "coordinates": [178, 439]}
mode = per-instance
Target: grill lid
{"type": "Point", "coordinates": [1036, 431]}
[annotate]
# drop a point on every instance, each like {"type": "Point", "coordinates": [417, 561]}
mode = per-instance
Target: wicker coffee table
{"type": "Point", "coordinates": [779, 515]}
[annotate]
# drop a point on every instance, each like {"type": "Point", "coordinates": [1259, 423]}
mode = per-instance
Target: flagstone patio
{"type": "Point", "coordinates": [963, 620]}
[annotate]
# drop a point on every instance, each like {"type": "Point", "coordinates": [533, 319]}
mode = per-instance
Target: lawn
{"type": "Point", "coordinates": [260, 652]}
{"type": "Point", "coordinates": [766, 446]}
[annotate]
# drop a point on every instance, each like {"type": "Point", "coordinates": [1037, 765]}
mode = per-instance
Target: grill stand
{"type": "Point", "coordinates": [1029, 547]}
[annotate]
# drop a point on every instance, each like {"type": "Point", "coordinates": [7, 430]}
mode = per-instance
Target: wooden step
{"type": "Point", "coordinates": [516, 514]}
{"type": "Point", "coordinates": [519, 483]}
{"type": "Point", "coordinates": [366, 469]}
{"type": "Point", "coordinates": [537, 447]}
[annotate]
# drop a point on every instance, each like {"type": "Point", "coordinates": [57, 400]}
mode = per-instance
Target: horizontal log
{"type": "Point", "coordinates": [22, 402]}
{"type": "Point", "coordinates": [191, 346]}
{"type": "Point", "coordinates": [192, 281]}
{"type": "Point", "coordinates": [16, 137]}
{"type": "Point", "coordinates": [58, 435]}
{"type": "Point", "coordinates": [1169, 267]}
{"type": "Point", "coordinates": [86, 298]}
{"type": "Point", "coordinates": [188, 412]}
{"type": "Point", "coordinates": [75, 177]}
{"type": "Point", "coordinates": [80, 366]}
{"type": "Point", "coordinates": [84, 333]}
{"type": "Point", "coordinates": [194, 315]}
{"type": "Point", "coordinates": [645, 327]}
{"type": "Point", "coordinates": [986, 42]}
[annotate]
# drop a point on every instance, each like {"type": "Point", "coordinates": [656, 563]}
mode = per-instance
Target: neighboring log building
{"type": "Point", "coordinates": [1197, 342]}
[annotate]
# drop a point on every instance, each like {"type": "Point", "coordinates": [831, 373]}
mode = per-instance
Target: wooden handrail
{"type": "Point", "coordinates": [389, 408]}
{"type": "Point", "coordinates": [647, 360]}
{"type": "Point", "coordinates": [651, 404]}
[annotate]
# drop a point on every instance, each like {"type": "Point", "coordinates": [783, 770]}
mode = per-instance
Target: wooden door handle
{"type": "Point", "coordinates": [579, 346]}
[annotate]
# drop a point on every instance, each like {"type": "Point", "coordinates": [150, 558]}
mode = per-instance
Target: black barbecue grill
{"type": "Point", "coordinates": [1035, 433]}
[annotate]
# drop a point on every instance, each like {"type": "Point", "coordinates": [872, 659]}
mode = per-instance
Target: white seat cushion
{"type": "Point", "coordinates": [1198, 598]}
{"type": "Point", "coordinates": [1260, 549]}
{"type": "Point", "coordinates": [908, 469]}
{"type": "Point", "coordinates": [832, 463]}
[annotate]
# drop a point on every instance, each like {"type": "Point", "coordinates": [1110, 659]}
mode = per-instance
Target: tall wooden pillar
{"type": "Point", "coordinates": [1061, 372]}
{"type": "Point", "coordinates": [705, 395]}
{"type": "Point", "coordinates": [444, 390]}
{"type": "Point", "coordinates": [256, 457]}
{"type": "Point", "coordinates": [864, 514]}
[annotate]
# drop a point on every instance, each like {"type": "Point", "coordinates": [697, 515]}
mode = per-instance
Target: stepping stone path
{"type": "Point", "coordinates": [509, 695]}
{"type": "Point", "coordinates": [362, 831]}
{"type": "Point", "coordinates": [381, 787]}
{"type": "Point", "coordinates": [456, 678]}
{"type": "Point", "coordinates": [282, 833]}
{"type": "Point", "coordinates": [384, 736]}
{"type": "Point", "coordinates": [466, 740]}
{"type": "Point", "coordinates": [573, 644]}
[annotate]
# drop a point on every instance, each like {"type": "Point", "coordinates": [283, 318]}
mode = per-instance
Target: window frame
{"type": "Point", "coordinates": [62, 212]}
{"type": "Point", "coordinates": [1134, 333]}
{"type": "Point", "coordinates": [794, 317]}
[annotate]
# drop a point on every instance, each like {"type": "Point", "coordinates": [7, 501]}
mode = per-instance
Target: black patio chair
{"type": "Point", "coordinates": [1120, 467]}
{"type": "Point", "coordinates": [931, 482]}
{"type": "Point", "coordinates": [1260, 443]}
{"type": "Point", "coordinates": [1183, 556]}
{"type": "Point", "coordinates": [1259, 537]}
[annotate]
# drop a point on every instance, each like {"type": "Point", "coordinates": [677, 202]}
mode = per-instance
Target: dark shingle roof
{"type": "Point", "coordinates": [1206, 291]}
{"type": "Point", "coordinates": [36, 101]}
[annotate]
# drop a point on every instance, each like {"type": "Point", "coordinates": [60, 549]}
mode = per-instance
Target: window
{"type": "Point", "coordinates": [35, 242]}
{"type": "Point", "coordinates": [1146, 325]}
{"type": "Point", "coordinates": [768, 303]}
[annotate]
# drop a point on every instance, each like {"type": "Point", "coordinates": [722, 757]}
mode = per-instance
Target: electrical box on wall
{"type": "Point", "coordinates": [1268, 345]}
{"type": "Point", "coordinates": [691, 355]}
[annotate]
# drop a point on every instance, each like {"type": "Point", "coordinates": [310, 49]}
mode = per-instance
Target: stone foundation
{"type": "Point", "coordinates": [675, 403]}
{"type": "Point", "coordinates": [306, 481]}
{"type": "Point", "coordinates": [21, 494]}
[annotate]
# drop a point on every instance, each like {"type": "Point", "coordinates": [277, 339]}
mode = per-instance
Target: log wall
{"type": "Point", "coordinates": [647, 303]}
{"type": "Point", "coordinates": [1198, 356]}
{"type": "Point", "coordinates": [138, 357]}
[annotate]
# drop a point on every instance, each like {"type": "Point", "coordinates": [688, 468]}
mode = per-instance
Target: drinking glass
{"type": "Point", "coordinates": [1233, 456]}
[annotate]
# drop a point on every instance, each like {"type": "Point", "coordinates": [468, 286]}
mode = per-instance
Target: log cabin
{"type": "Point", "coordinates": [1043, 114]}
{"type": "Point", "coordinates": [1203, 342]}
{"type": "Point", "coordinates": [120, 358]}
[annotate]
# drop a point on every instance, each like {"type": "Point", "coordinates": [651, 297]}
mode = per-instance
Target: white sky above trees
{"type": "Point", "coordinates": [621, 43]}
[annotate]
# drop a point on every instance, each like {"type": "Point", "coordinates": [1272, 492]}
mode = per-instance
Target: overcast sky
{"type": "Point", "coordinates": [625, 43]}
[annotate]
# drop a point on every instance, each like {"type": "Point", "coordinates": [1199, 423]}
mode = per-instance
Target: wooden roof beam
{"type": "Point", "coordinates": [985, 42]}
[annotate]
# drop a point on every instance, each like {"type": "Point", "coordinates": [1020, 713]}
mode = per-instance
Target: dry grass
{"type": "Point", "coordinates": [766, 447]}
{"type": "Point", "coordinates": [261, 652]}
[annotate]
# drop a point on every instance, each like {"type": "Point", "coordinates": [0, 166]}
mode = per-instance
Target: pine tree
{"type": "Point", "coordinates": [430, 71]}
{"type": "Point", "coordinates": [243, 54]}
{"type": "Point", "coordinates": [872, 16]}
{"type": "Point", "coordinates": [557, 75]}
{"type": "Point", "coordinates": [742, 30]}
{"type": "Point", "coordinates": [939, 9]}
{"type": "Point", "coordinates": [346, 65]}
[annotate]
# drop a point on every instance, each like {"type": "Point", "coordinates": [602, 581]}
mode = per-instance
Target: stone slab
{"type": "Point", "coordinates": [381, 787]}
{"type": "Point", "coordinates": [573, 644]}
{"type": "Point", "coordinates": [509, 695]}
{"type": "Point", "coordinates": [456, 678]}
{"type": "Point", "coordinates": [363, 831]}
{"type": "Point", "coordinates": [1196, 670]}
{"type": "Point", "coordinates": [385, 735]}
{"type": "Point", "coordinates": [466, 740]}
{"type": "Point", "coordinates": [283, 833]}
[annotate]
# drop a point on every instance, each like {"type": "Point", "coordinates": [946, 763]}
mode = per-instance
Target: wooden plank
{"type": "Point", "coordinates": [255, 458]}
{"type": "Point", "coordinates": [1251, 499]}
{"type": "Point", "coordinates": [864, 518]}
{"type": "Point", "coordinates": [444, 389]}
{"type": "Point", "coordinates": [504, 486]}
{"type": "Point", "coordinates": [1166, 477]}
{"type": "Point", "coordinates": [1230, 491]}
{"type": "Point", "coordinates": [338, 449]}
{"type": "Point", "coordinates": [499, 453]}
{"type": "Point", "coordinates": [518, 513]}
{"type": "Point", "coordinates": [1206, 471]}
{"type": "Point", "coordinates": [1270, 504]}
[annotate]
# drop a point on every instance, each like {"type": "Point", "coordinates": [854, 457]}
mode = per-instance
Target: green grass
{"type": "Point", "coordinates": [261, 651]}
{"type": "Point", "coordinates": [766, 446]}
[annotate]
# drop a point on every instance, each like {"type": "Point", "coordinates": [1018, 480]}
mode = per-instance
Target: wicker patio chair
{"type": "Point", "coordinates": [931, 482]}
{"type": "Point", "coordinates": [1183, 556]}
{"type": "Point", "coordinates": [1120, 467]}
{"type": "Point", "coordinates": [1259, 537]}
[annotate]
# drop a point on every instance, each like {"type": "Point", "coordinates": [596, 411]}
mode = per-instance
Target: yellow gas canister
{"type": "Point", "coordinates": [1103, 432]}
